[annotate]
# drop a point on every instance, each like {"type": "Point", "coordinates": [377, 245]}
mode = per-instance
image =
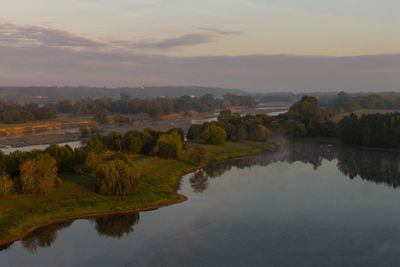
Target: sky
{"type": "Point", "coordinates": [256, 45]}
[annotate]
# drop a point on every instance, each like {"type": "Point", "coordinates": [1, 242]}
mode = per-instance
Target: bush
{"type": "Point", "coordinates": [169, 146]}
{"type": "Point", "coordinates": [198, 156]}
{"type": "Point", "coordinates": [115, 177]}
{"type": "Point", "coordinates": [214, 135]}
{"type": "Point", "coordinates": [39, 176]}
{"type": "Point", "coordinates": [6, 185]}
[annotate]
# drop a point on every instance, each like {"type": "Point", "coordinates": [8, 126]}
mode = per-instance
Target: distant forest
{"type": "Point", "coordinates": [102, 108]}
{"type": "Point", "coordinates": [45, 95]}
{"type": "Point", "coordinates": [107, 103]}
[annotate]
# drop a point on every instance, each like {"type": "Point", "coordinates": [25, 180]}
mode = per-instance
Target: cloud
{"type": "Point", "coordinates": [32, 55]}
{"type": "Point", "coordinates": [219, 31]}
{"type": "Point", "coordinates": [211, 36]}
{"type": "Point", "coordinates": [184, 40]}
{"type": "Point", "coordinates": [15, 35]}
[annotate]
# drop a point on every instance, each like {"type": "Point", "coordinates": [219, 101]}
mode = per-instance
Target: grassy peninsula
{"type": "Point", "coordinates": [75, 197]}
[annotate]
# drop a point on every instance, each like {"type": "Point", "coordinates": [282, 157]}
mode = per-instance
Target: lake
{"type": "Point", "coordinates": [303, 205]}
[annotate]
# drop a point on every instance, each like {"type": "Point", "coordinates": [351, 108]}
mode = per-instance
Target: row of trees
{"type": "Point", "coordinates": [159, 106]}
{"type": "Point", "coordinates": [232, 127]}
{"type": "Point", "coordinates": [345, 102]}
{"type": "Point", "coordinates": [375, 130]}
{"type": "Point", "coordinates": [16, 113]}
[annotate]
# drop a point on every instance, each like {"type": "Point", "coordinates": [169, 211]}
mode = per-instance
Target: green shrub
{"type": "Point", "coordinates": [169, 146]}
{"type": "Point", "coordinates": [6, 185]}
{"type": "Point", "coordinates": [198, 156]}
{"type": "Point", "coordinates": [39, 175]}
{"type": "Point", "coordinates": [115, 178]}
{"type": "Point", "coordinates": [214, 135]}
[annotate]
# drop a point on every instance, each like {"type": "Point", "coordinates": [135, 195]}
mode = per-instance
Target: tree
{"type": "Point", "coordinates": [198, 156]}
{"type": "Point", "coordinates": [242, 133]}
{"type": "Point", "coordinates": [308, 112]}
{"type": "Point", "coordinates": [92, 162]}
{"type": "Point", "coordinates": [214, 135]}
{"type": "Point", "coordinates": [114, 141]}
{"type": "Point", "coordinates": [295, 129]}
{"type": "Point", "coordinates": [179, 131]}
{"type": "Point", "coordinates": [102, 116]}
{"type": "Point", "coordinates": [194, 132]}
{"type": "Point", "coordinates": [133, 142]}
{"type": "Point", "coordinates": [6, 185]}
{"type": "Point", "coordinates": [116, 178]}
{"type": "Point", "coordinates": [259, 133]}
{"type": "Point", "coordinates": [169, 146]}
{"type": "Point", "coordinates": [39, 176]}
{"type": "Point", "coordinates": [84, 131]}
{"type": "Point", "coordinates": [225, 115]}
{"type": "Point", "coordinates": [64, 156]}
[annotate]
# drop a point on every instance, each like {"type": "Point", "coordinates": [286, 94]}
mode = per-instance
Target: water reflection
{"type": "Point", "coordinates": [376, 166]}
{"type": "Point", "coordinates": [116, 225]}
{"type": "Point", "coordinates": [44, 236]}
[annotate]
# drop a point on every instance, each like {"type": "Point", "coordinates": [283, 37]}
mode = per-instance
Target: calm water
{"type": "Point", "coordinates": [9, 150]}
{"type": "Point", "coordinates": [307, 205]}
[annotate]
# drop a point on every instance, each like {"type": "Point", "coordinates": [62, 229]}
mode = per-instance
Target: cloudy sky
{"type": "Point", "coordinates": [259, 45]}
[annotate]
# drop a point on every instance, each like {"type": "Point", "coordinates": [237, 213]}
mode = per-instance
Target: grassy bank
{"type": "Point", "coordinates": [75, 198]}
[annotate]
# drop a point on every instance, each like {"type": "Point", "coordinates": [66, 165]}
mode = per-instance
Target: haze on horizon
{"type": "Point", "coordinates": [256, 45]}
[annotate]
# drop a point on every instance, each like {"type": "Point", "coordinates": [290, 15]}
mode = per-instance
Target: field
{"type": "Point", "coordinates": [361, 112]}
{"type": "Point", "coordinates": [74, 198]}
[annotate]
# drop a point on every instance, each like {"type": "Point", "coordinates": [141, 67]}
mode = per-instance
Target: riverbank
{"type": "Point", "coordinates": [74, 198]}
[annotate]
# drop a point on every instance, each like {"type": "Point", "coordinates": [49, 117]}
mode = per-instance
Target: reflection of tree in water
{"type": "Point", "coordinates": [177, 186]}
{"type": "Point", "coordinates": [116, 225]}
{"type": "Point", "coordinates": [199, 181]}
{"type": "Point", "coordinates": [44, 236]}
{"type": "Point", "coordinates": [377, 166]}
{"type": "Point", "coordinates": [6, 246]}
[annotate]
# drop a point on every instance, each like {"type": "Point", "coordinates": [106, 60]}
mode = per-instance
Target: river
{"type": "Point", "coordinates": [304, 205]}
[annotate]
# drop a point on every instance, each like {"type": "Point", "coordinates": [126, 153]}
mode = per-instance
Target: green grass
{"type": "Point", "coordinates": [74, 197]}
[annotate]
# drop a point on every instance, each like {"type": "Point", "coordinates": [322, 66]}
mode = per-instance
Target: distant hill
{"type": "Point", "coordinates": [54, 94]}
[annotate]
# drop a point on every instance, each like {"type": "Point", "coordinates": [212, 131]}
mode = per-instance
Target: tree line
{"type": "Point", "coordinates": [16, 113]}
{"type": "Point", "coordinates": [345, 102]}
{"type": "Point", "coordinates": [102, 108]}
{"type": "Point", "coordinates": [159, 106]}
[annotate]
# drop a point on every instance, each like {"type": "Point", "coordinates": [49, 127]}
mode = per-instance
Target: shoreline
{"type": "Point", "coordinates": [181, 199]}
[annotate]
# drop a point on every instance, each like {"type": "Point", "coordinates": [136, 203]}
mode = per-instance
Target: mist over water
{"type": "Point", "coordinates": [302, 205]}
